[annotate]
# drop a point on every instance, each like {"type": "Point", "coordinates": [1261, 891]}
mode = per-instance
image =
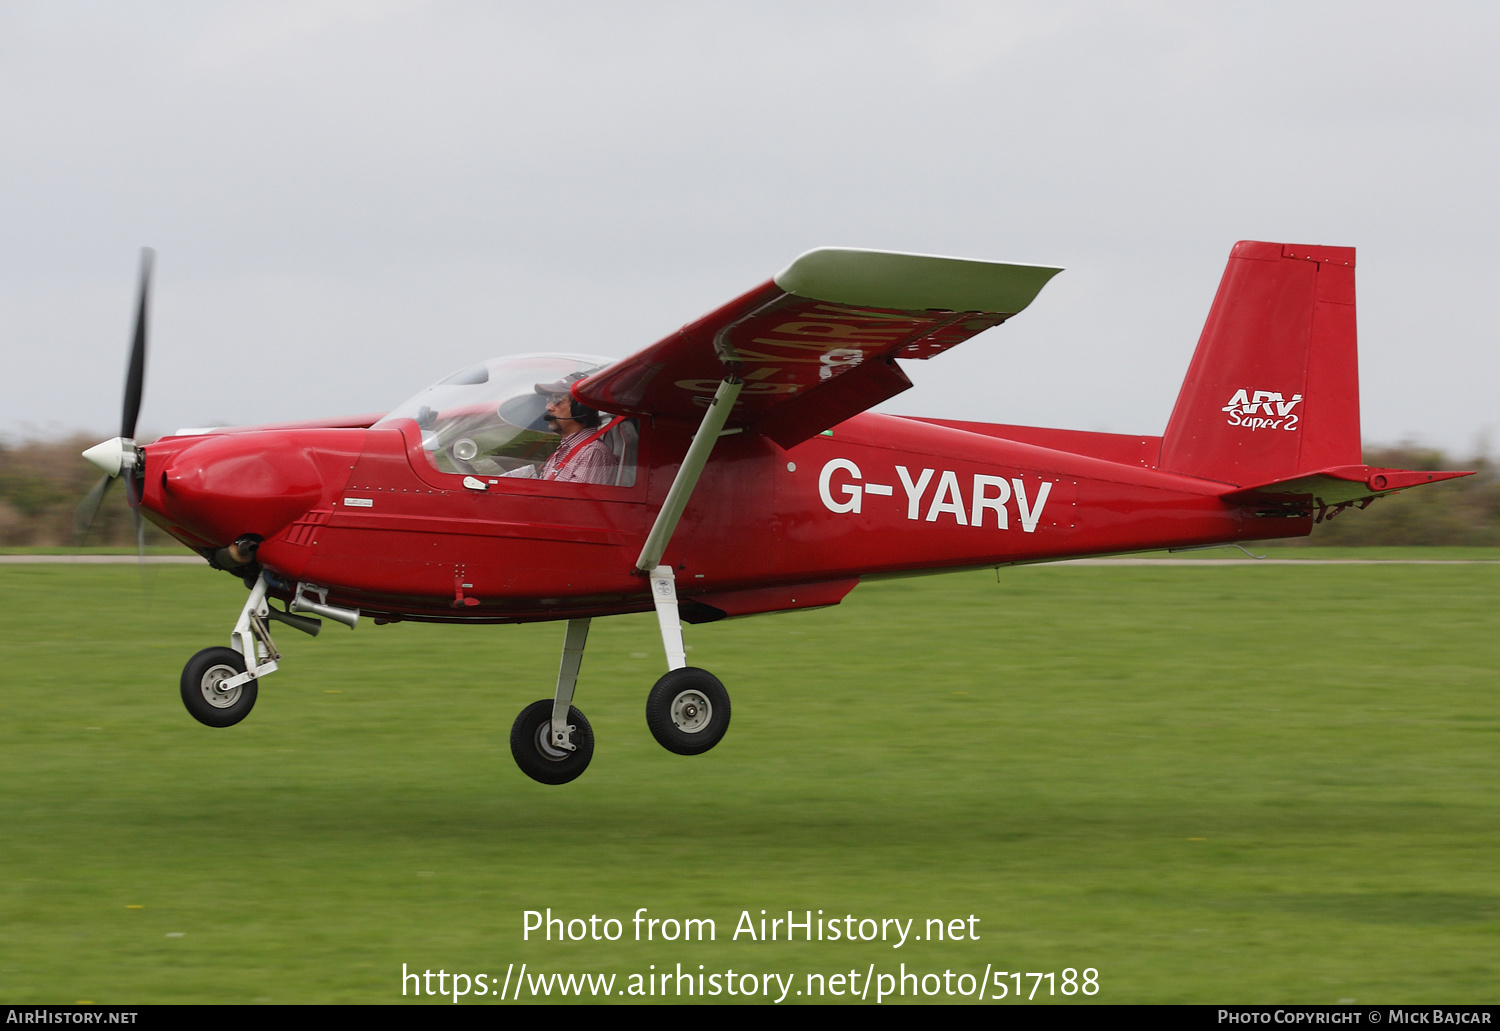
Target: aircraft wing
{"type": "Point", "coordinates": [818, 342]}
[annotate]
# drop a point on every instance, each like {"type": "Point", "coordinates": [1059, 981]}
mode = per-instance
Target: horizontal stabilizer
{"type": "Point", "coordinates": [1332, 487]}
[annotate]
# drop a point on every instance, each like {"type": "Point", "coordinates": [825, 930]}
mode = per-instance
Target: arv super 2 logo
{"type": "Point", "coordinates": [1267, 410]}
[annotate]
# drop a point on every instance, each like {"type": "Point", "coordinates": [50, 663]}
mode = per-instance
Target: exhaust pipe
{"type": "Point", "coordinates": [305, 624]}
{"type": "Point", "coordinates": [302, 603]}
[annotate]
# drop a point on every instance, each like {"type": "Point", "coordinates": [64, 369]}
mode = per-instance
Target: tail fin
{"type": "Point", "coordinates": [1273, 390]}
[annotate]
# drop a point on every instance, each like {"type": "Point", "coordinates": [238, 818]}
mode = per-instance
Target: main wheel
{"type": "Point", "coordinates": [688, 711]}
{"type": "Point", "coordinates": [541, 760]}
{"type": "Point", "coordinates": [201, 694]}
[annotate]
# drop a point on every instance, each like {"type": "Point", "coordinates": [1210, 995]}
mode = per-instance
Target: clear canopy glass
{"type": "Point", "coordinates": [489, 420]}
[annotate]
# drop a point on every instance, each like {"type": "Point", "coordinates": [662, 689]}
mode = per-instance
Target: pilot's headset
{"type": "Point", "coordinates": [585, 416]}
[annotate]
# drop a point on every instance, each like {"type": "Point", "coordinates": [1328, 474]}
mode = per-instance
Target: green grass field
{"type": "Point", "coordinates": [1211, 784]}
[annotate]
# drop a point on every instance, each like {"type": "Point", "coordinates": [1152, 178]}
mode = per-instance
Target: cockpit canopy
{"type": "Point", "coordinates": [490, 419]}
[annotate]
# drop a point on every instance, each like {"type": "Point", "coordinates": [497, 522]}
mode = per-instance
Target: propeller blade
{"type": "Point", "coordinates": [119, 455]}
{"type": "Point", "coordinates": [88, 508]}
{"type": "Point", "coordinates": [135, 377]}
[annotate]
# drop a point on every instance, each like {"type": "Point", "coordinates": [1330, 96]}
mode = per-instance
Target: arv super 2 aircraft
{"type": "Point", "coordinates": [732, 468]}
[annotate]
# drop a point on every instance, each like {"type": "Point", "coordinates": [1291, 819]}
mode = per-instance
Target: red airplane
{"type": "Point", "coordinates": [732, 469]}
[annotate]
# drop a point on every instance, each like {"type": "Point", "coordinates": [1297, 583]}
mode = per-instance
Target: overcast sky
{"type": "Point", "coordinates": [350, 200]}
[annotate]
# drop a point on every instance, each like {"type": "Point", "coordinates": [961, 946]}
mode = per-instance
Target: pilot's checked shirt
{"type": "Point", "coordinates": [575, 461]}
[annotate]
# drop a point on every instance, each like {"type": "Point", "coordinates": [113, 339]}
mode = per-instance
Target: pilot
{"type": "Point", "coordinates": [582, 456]}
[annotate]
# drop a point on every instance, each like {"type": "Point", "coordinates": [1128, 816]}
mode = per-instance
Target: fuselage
{"type": "Point", "coordinates": [365, 513]}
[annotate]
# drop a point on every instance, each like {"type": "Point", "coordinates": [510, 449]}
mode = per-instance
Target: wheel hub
{"type": "Point", "coordinates": [213, 688]}
{"type": "Point", "coordinates": [691, 712]}
{"type": "Point", "coordinates": [544, 746]}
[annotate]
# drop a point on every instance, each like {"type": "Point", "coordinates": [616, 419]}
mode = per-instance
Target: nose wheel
{"type": "Point", "coordinates": [688, 711]}
{"type": "Point", "coordinates": [204, 692]}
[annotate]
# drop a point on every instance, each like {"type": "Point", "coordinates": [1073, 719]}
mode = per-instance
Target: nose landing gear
{"type": "Point", "coordinates": [219, 684]}
{"type": "Point", "coordinates": [204, 691]}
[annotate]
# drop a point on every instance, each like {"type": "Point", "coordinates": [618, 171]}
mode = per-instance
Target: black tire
{"type": "Point", "coordinates": [209, 707]}
{"type": "Point", "coordinates": [688, 711]}
{"type": "Point", "coordinates": [531, 745]}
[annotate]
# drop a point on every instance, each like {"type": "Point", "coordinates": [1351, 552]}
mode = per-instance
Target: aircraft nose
{"type": "Point", "coordinates": [221, 487]}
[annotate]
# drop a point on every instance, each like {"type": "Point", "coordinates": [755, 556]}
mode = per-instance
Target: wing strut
{"type": "Point", "coordinates": [687, 473]}
{"type": "Point", "coordinates": [663, 583]}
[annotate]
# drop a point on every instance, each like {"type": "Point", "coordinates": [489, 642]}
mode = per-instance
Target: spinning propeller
{"type": "Point", "coordinates": [120, 454]}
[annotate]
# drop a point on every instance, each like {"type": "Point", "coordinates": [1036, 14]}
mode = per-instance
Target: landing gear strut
{"type": "Point", "coordinates": [551, 741]}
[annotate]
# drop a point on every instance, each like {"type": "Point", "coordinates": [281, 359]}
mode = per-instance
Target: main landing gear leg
{"type": "Point", "coordinates": [551, 741]}
{"type": "Point", "coordinates": [688, 709]}
{"type": "Point", "coordinates": [664, 596]}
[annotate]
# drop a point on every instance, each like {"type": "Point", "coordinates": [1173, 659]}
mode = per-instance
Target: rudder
{"type": "Point", "coordinates": [1273, 388]}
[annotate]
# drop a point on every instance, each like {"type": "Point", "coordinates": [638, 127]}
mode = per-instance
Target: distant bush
{"type": "Point", "coordinates": [42, 483]}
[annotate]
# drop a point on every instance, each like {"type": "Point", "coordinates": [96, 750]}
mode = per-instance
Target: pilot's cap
{"type": "Point", "coordinates": [562, 386]}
